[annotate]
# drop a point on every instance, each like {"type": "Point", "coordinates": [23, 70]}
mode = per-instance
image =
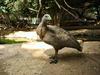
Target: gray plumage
{"type": "Point", "coordinates": [56, 36]}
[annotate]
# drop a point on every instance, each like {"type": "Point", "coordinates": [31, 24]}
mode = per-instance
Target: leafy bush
{"type": "Point", "coordinates": [9, 41]}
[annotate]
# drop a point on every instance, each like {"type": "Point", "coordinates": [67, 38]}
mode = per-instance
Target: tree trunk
{"type": "Point", "coordinates": [57, 18]}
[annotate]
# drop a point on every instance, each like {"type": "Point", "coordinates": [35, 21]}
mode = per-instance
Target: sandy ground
{"type": "Point", "coordinates": [32, 58]}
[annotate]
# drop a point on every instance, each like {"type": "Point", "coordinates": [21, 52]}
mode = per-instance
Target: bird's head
{"type": "Point", "coordinates": [46, 18]}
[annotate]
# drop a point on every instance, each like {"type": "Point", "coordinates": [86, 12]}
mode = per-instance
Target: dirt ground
{"type": "Point", "coordinates": [32, 58]}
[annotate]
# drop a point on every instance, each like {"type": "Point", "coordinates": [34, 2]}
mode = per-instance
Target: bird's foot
{"type": "Point", "coordinates": [53, 60]}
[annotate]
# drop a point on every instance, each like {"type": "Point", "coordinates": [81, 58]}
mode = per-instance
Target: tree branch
{"type": "Point", "coordinates": [70, 13]}
{"type": "Point", "coordinates": [60, 6]}
{"type": "Point", "coordinates": [40, 8]}
{"type": "Point", "coordinates": [57, 4]}
{"type": "Point", "coordinates": [69, 6]}
{"type": "Point", "coordinates": [33, 10]}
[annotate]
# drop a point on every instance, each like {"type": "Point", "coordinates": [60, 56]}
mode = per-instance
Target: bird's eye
{"type": "Point", "coordinates": [46, 16]}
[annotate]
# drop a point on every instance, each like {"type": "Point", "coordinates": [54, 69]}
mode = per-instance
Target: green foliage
{"type": "Point", "coordinates": [51, 6]}
{"type": "Point", "coordinates": [16, 9]}
{"type": "Point", "coordinates": [22, 7]}
{"type": "Point", "coordinates": [9, 41]}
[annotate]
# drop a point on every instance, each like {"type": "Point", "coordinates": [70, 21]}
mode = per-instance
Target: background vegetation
{"type": "Point", "coordinates": [26, 14]}
{"type": "Point", "coordinates": [23, 13]}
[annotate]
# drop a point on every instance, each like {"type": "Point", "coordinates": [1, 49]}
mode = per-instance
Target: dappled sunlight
{"type": "Point", "coordinates": [37, 49]}
{"type": "Point", "coordinates": [2, 46]}
{"type": "Point", "coordinates": [40, 54]}
{"type": "Point", "coordinates": [22, 34]}
{"type": "Point", "coordinates": [36, 45]}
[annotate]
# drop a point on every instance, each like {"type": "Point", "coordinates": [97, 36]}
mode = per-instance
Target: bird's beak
{"type": "Point", "coordinates": [49, 18]}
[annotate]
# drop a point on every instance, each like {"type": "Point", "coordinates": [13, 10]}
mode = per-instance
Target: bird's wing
{"type": "Point", "coordinates": [63, 37]}
{"type": "Point", "coordinates": [59, 32]}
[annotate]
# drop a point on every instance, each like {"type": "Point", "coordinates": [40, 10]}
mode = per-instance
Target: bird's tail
{"type": "Point", "coordinates": [80, 48]}
{"type": "Point", "coordinates": [81, 44]}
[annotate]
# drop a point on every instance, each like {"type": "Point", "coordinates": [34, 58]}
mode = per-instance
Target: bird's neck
{"type": "Point", "coordinates": [44, 23]}
{"type": "Point", "coordinates": [42, 29]}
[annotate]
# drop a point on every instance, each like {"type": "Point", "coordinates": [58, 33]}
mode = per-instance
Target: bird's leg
{"type": "Point", "coordinates": [54, 59]}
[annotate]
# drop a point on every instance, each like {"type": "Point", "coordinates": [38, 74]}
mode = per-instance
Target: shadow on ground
{"type": "Point", "coordinates": [84, 64]}
{"type": "Point", "coordinates": [71, 62]}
